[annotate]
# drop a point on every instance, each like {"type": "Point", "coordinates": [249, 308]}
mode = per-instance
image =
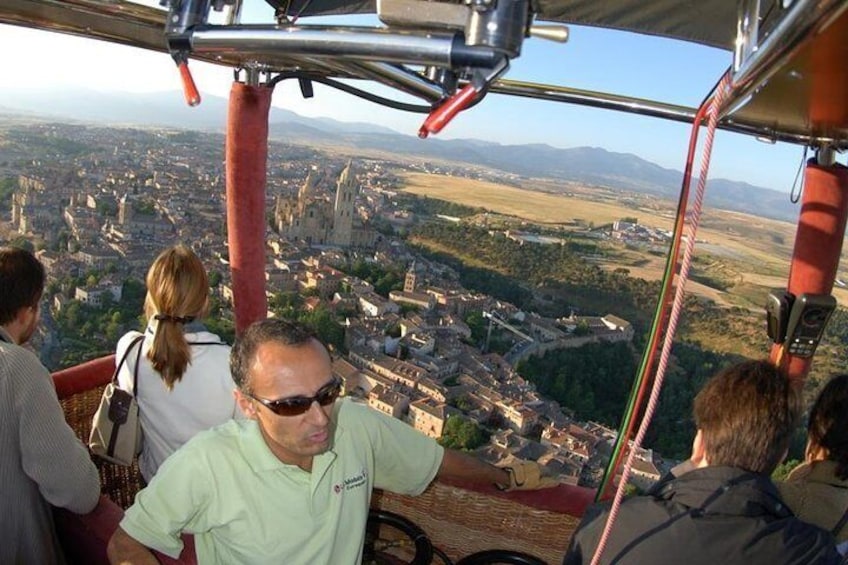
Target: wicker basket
{"type": "Point", "coordinates": [117, 482]}
{"type": "Point", "coordinates": [461, 522]}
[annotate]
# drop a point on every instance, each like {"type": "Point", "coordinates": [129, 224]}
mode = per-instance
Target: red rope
{"type": "Point", "coordinates": [664, 303]}
{"type": "Point", "coordinates": [677, 307]}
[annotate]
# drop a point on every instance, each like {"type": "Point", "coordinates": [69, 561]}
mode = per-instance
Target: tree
{"type": "Point", "coordinates": [72, 315]}
{"type": "Point", "coordinates": [325, 326]}
{"type": "Point", "coordinates": [222, 327]}
{"type": "Point", "coordinates": [286, 305]}
{"type": "Point", "coordinates": [407, 308]}
{"type": "Point", "coordinates": [783, 470]}
{"type": "Point", "coordinates": [145, 207]}
{"type": "Point", "coordinates": [107, 207]}
{"type": "Point", "coordinates": [23, 243]}
{"type": "Point", "coordinates": [461, 433]}
{"type": "Point", "coordinates": [477, 323]}
{"type": "Point", "coordinates": [8, 186]}
{"type": "Point", "coordinates": [582, 328]}
{"type": "Point", "coordinates": [113, 331]}
{"type": "Point", "coordinates": [106, 301]}
{"type": "Point", "coordinates": [133, 292]}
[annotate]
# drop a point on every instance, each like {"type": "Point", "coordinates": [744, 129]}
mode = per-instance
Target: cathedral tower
{"type": "Point", "coordinates": [125, 210]}
{"type": "Point", "coordinates": [343, 208]}
{"type": "Point", "coordinates": [409, 281]}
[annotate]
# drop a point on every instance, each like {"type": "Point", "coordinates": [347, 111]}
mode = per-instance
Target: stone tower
{"type": "Point", "coordinates": [343, 208]}
{"type": "Point", "coordinates": [409, 281]}
{"type": "Point", "coordinates": [125, 210]}
{"type": "Point", "coordinates": [306, 191]}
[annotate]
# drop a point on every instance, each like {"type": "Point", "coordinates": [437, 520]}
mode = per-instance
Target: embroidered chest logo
{"type": "Point", "coordinates": [358, 480]}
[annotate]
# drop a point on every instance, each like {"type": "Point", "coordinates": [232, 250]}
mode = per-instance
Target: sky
{"type": "Point", "coordinates": [594, 59]}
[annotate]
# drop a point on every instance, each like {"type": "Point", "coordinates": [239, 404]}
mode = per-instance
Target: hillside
{"type": "Point", "coordinates": [585, 165]}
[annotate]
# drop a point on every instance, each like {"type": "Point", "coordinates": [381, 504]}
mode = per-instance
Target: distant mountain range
{"type": "Point", "coordinates": [589, 165]}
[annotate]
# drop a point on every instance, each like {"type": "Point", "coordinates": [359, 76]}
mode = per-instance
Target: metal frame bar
{"type": "Point", "coordinates": [357, 43]}
{"type": "Point", "coordinates": [804, 19]}
{"type": "Point", "coordinates": [329, 50]}
{"type": "Point", "coordinates": [631, 105]}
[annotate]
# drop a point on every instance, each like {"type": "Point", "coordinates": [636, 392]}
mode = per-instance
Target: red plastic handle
{"type": "Point", "coordinates": [440, 117]}
{"type": "Point", "coordinates": [192, 96]}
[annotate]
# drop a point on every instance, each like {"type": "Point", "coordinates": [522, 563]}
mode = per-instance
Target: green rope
{"type": "Point", "coordinates": [668, 276]}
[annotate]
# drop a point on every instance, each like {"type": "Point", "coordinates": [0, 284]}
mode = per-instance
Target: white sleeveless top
{"type": "Point", "coordinates": [202, 399]}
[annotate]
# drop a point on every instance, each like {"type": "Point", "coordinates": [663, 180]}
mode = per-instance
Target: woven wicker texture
{"type": "Point", "coordinates": [461, 522]}
{"type": "Point", "coordinates": [117, 482]}
{"type": "Point", "coordinates": [457, 521]}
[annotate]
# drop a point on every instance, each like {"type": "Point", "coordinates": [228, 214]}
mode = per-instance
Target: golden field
{"type": "Point", "coordinates": [751, 252]}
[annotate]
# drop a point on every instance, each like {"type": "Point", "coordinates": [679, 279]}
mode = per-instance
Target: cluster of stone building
{"type": "Point", "coordinates": [420, 367]}
{"type": "Point", "coordinates": [634, 232]}
{"type": "Point", "coordinates": [408, 354]}
{"type": "Point", "coordinates": [318, 218]}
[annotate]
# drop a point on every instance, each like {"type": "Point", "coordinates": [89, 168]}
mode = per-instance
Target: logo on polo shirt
{"type": "Point", "coordinates": [358, 480]}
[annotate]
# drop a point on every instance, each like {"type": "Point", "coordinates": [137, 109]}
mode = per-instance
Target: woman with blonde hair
{"type": "Point", "coordinates": [183, 378]}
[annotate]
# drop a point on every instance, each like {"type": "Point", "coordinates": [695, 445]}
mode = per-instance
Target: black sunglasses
{"type": "Point", "coordinates": [297, 405]}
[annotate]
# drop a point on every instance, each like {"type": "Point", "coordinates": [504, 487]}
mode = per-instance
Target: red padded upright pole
{"type": "Point", "coordinates": [247, 156]}
{"type": "Point", "coordinates": [818, 244]}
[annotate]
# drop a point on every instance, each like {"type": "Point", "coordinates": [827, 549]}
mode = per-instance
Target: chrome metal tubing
{"type": "Point", "coordinates": [594, 99]}
{"type": "Point", "coordinates": [804, 19]}
{"type": "Point", "coordinates": [747, 31]}
{"type": "Point", "coordinates": [400, 78]}
{"type": "Point", "coordinates": [631, 105]}
{"type": "Point", "coordinates": [366, 44]}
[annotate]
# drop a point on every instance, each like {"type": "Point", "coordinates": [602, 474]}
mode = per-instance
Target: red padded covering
{"type": "Point", "coordinates": [84, 377]}
{"type": "Point", "coordinates": [84, 537]}
{"type": "Point", "coordinates": [247, 156]}
{"type": "Point", "coordinates": [818, 243]}
{"type": "Point", "coordinates": [563, 499]}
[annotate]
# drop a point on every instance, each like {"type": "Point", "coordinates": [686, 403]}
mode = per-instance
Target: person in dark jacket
{"type": "Point", "coordinates": [720, 506]}
{"type": "Point", "coordinates": [817, 489]}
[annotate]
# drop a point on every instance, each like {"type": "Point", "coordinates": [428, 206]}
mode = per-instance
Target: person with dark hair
{"type": "Point", "coordinates": [817, 489]}
{"type": "Point", "coordinates": [43, 462]}
{"type": "Point", "coordinates": [720, 506]}
{"type": "Point", "coordinates": [184, 385]}
{"type": "Point", "coordinates": [293, 482]}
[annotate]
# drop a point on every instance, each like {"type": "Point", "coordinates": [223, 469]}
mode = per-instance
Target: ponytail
{"type": "Point", "coordinates": [177, 293]}
{"type": "Point", "coordinates": [170, 353]}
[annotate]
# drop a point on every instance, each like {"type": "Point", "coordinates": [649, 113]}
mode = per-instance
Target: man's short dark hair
{"type": "Point", "coordinates": [272, 329]}
{"type": "Point", "coordinates": [747, 414]}
{"type": "Point", "coordinates": [828, 427]}
{"type": "Point", "coordinates": [21, 281]}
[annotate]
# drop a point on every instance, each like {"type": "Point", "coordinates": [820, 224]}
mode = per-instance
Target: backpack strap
{"type": "Point", "coordinates": [206, 343]}
{"type": "Point", "coordinates": [135, 370]}
{"type": "Point", "coordinates": [124, 358]}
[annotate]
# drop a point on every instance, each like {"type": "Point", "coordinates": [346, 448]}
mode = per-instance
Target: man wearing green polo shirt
{"type": "Point", "coordinates": [293, 482]}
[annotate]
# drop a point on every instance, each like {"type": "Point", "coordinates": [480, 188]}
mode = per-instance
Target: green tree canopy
{"type": "Point", "coordinates": [461, 433]}
{"type": "Point", "coordinates": [783, 470]}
